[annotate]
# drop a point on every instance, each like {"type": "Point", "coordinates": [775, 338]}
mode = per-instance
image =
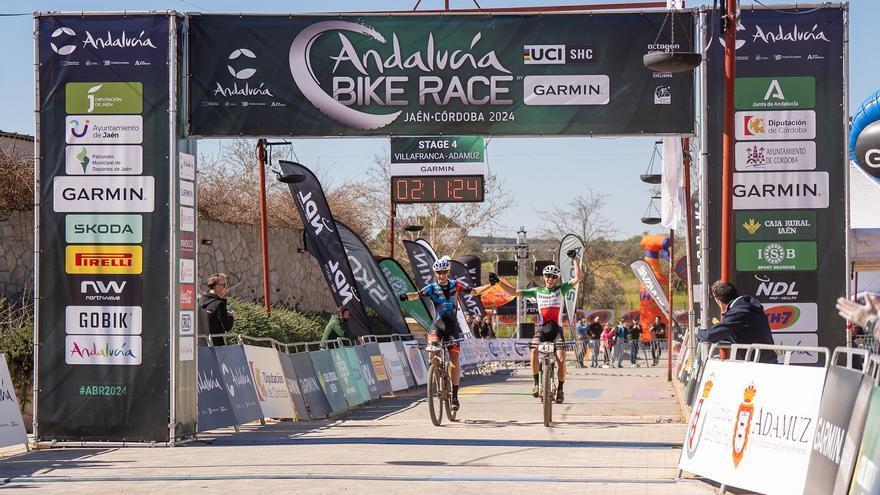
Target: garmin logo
{"type": "Point", "coordinates": [780, 190]}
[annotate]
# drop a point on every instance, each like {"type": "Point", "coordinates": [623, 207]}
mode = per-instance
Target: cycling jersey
{"type": "Point", "coordinates": [443, 296]}
{"type": "Point", "coordinates": [549, 301]}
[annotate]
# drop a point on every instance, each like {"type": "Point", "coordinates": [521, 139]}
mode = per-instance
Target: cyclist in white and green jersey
{"type": "Point", "coordinates": [550, 299]}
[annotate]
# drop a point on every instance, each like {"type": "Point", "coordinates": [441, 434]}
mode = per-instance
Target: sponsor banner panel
{"type": "Point", "coordinates": [330, 382]}
{"type": "Point", "coordinates": [799, 339]}
{"type": "Point", "coordinates": [793, 317]}
{"type": "Point", "coordinates": [347, 381]}
{"type": "Point", "coordinates": [104, 129]}
{"type": "Point", "coordinates": [735, 434]}
{"type": "Point", "coordinates": [293, 387]}
{"type": "Point", "coordinates": [838, 398]}
{"type": "Point", "coordinates": [12, 430]}
{"type": "Point", "coordinates": [215, 409]}
{"type": "Point", "coordinates": [763, 93]}
{"type": "Point", "coordinates": [416, 362]}
{"type": "Point", "coordinates": [101, 289]}
{"type": "Point", "coordinates": [865, 478]}
{"type": "Point", "coordinates": [104, 260]}
{"type": "Point", "coordinates": [405, 364]}
{"type": "Point", "coordinates": [775, 125]}
{"type": "Point", "coordinates": [423, 75]}
{"type": "Point", "coordinates": [92, 350]}
{"type": "Point", "coordinates": [309, 385]}
{"type": "Point", "coordinates": [772, 156]}
{"type": "Point", "coordinates": [120, 194]}
{"type": "Point", "coordinates": [187, 166]}
{"type": "Point", "coordinates": [103, 229]}
{"type": "Point", "coordinates": [186, 322]}
{"type": "Point", "coordinates": [383, 378]}
{"type": "Point", "coordinates": [775, 256]}
{"type": "Point", "coordinates": [391, 360]}
{"type": "Point", "coordinates": [780, 191]}
{"type": "Point", "coordinates": [355, 376]}
{"type": "Point", "coordinates": [104, 97]}
{"type": "Point", "coordinates": [103, 320]}
{"type": "Point", "coordinates": [365, 364]}
{"type": "Point", "coordinates": [268, 378]}
{"type": "Point", "coordinates": [778, 287]}
{"type": "Point", "coordinates": [236, 375]}
{"type": "Point", "coordinates": [104, 160]}
{"type": "Point", "coordinates": [417, 169]}
{"type": "Point", "coordinates": [795, 225]}
{"type": "Point", "coordinates": [854, 437]}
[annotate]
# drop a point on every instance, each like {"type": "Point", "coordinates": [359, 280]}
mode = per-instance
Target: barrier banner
{"type": "Point", "coordinates": [326, 371]}
{"type": "Point", "coordinates": [236, 375]}
{"type": "Point", "coordinates": [356, 377]}
{"type": "Point", "coordinates": [309, 385]}
{"type": "Point", "coordinates": [854, 437]}
{"type": "Point", "coordinates": [346, 380]}
{"type": "Point", "coordinates": [866, 478]}
{"type": "Point", "coordinates": [391, 359]}
{"type": "Point", "coordinates": [215, 409]}
{"type": "Point", "coordinates": [494, 349]}
{"type": "Point", "coordinates": [383, 377]}
{"type": "Point", "coordinates": [416, 362]}
{"type": "Point", "coordinates": [367, 371]}
{"type": "Point", "coordinates": [12, 430]}
{"type": "Point", "coordinates": [269, 381]}
{"type": "Point", "coordinates": [404, 362]}
{"type": "Point", "coordinates": [400, 283]}
{"type": "Point", "coordinates": [354, 75]}
{"type": "Point", "coordinates": [292, 381]}
{"type": "Point", "coordinates": [325, 245]}
{"type": "Point", "coordinates": [749, 422]}
{"type": "Point", "coordinates": [838, 397]}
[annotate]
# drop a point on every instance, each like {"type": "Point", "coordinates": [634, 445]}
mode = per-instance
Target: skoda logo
{"type": "Point", "coordinates": [64, 49]}
{"type": "Point", "coordinates": [872, 158]}
{"type": "Point", "coordinates": [245, 73]}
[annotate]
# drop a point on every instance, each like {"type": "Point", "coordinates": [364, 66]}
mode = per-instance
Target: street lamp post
{"type": "Point", "coordinates": [522, 254]}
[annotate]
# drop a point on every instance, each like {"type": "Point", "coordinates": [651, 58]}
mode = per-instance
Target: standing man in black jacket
{"type": "Point", "coordinates": [742, 320]}
{"type": "Point", "coordinates": [220, 319]}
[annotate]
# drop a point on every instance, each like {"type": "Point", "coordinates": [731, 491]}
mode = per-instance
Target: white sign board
{"type": "Point", "coordinates": [750, 428]}
{"type": "Point", "coordinates": [269, 381]}
{"type": "Point", "coordinates": [396, 375]}
{"type": "Point", "coordinates": [11, 425]}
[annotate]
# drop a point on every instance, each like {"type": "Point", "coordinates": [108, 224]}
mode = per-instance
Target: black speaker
{"type": "Point", "coordinates": [505, 268]}
{"type": "Point", "coordinates": [540, 265]}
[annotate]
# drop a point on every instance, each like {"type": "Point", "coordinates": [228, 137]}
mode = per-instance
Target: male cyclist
{"type": "Point", "coordinates": [550, 299]}
{"type": "Point", "coordinates": [443, 293]}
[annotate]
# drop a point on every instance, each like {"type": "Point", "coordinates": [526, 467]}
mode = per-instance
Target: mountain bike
{"type": "Point", "coordinates": [439, 381]}
{"type": "Point", "coordinates": [547, 376]}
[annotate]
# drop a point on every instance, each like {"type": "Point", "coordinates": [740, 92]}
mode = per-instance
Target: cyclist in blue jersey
{"type": "Point", "coordinates": [443, 293]}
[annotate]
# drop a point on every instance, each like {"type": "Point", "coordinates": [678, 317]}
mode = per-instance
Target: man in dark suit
{"type": "Point", "coordinates": [742, 320]}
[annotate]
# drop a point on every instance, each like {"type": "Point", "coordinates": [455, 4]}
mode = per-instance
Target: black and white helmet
{"type": "Point", "coordinates": [551, 270]}
{"type": "Point", "coordinates": [441, 265]}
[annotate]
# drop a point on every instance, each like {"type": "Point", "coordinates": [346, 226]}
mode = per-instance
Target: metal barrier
{"type": "Point", "coordinates": [754, 352]}
{"type": "Point", "coordinates": [850, 353]}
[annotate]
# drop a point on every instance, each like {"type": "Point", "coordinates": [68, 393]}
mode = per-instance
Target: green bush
{"type": "Point", "coordinates": [17, 345]}
{"type": "Point", "coordinates": [284, 325]}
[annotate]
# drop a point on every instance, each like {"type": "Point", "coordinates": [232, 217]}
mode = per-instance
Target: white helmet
{"type": "Point", "coordinates": [441, 265]}
{"type": "Point", "coordinates": [551, 270]}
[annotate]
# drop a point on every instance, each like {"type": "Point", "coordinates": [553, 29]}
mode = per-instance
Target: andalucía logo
{"type": "Point", "coordinates": [695, 430]}
{"type": "Point", "coordinates": [743, 424]}
{"type": "Point", "coordinates": [103, 350]}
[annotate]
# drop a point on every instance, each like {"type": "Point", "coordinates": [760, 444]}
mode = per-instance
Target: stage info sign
{"type": "Point", "coordinates": [110, 356]}
{"type": "Point", "coordinates": [571, 74]}
{"type": "Point", "coordinates": [751, 429]}
{"type": "Point", "coordinates": [790, 166]}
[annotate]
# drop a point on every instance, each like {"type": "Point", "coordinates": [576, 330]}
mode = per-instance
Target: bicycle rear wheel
{"type": "Point", "coordinates": [447, 395]}
{"type": "Point", "coordinates": [547, 394]}
{"type": "Point", "coordinates": [435, 392]}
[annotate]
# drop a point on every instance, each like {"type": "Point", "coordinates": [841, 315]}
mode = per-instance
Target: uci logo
{"type": "Point", "coordinates": [64, 49]}
{"type": "Point", "coordinates": [872, 158]}
{"type": "Point", "coordinates": [543, 54]}
{"type": "Point", "coordinates": [245, 73]}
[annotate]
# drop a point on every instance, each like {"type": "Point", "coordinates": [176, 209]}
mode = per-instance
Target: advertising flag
{"type": "Point", "coordinates": [400, 283]}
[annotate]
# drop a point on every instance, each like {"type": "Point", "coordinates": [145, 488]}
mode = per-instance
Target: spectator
{"type": "Point", "coordinates": [580, 329]}
{"type": "Point", "coordinates": [607, 344]}
{"type": "Point", "coordinates": [632, 336]}
{"type": "Point", "coordinates": [213, 303]}
{"type": "Point", "coordinates": [487, 327]}
{"type": "Point", "coordinates": [658, 334]}
{"type": "Point", "coordinates": [594, 332]}
{"type": "Point", "coordinates": [743, 320]}
{"type": "Point", "coordinates": [475, 329]}
{"type": "Point", "coordinates": [863, 313]}
{"type": "Point", "coordinates": [619, 339]}
{"type": "Point", "coordinates": [336, 328]}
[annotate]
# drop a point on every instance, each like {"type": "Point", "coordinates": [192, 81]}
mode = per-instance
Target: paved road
{"type": "Point", "coordinates": [619, 432]}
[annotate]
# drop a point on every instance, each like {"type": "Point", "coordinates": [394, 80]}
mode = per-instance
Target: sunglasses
{"type": "Point", "coordinates": [442, 272]}
{"type": "Point", "coordinates": [551, 276]}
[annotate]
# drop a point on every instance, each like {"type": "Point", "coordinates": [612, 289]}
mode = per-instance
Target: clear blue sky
{"type": "Point", "coordinates": [568, 165]}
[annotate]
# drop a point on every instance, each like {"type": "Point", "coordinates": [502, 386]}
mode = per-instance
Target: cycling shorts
{"type": "Point", "coordinates": [445, 329]}
{"type": "Point", "coordinates": [549, 332]}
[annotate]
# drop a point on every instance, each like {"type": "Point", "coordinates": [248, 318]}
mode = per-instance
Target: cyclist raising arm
{"type": "Point", "coordinates": [550, 299]}
{"type": "Point", "coordinates": [443, 293]}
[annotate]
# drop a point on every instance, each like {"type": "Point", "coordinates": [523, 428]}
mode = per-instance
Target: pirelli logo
{"type": "Point", "coordinates": [104, 260]}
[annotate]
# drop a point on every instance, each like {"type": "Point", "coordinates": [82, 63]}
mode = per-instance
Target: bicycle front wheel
{"type": "Point", "coordinates": [447, 394]}
{"type": "Point", "coordinates": [547, 380]}
{"type": "Point", "coordinates": [435, 391]}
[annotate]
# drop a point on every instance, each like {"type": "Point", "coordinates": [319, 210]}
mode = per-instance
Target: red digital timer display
{"type": "Point", "coordinates": [437, 189]}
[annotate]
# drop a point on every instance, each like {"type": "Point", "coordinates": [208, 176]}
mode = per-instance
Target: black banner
{"type": "Point", "coordinates": [421, 261]}
{"type": "Point", "coordinates": [371, 282]}
{"type": "Point", "coordinates": [103, 130]}
{"type": "Point", "coordinates": [367, 371]}
{"type": "Point", "coordinates": [293, 387]}
{"type": "Point", "coordinates": [472, 304]}
{"type": "Point", "coordinates": [309, 385]}
{"type": "Point", "coordinates": [326, 246]}
{"type": "Point", "coordinates": [236, 375]}
{"type": "Point", "coordinates": [326, 371]}
{"type": "Point", "coordinates": [215, 410]}
{"type": "Point", "coordinates": [838, 397]}
{"type": "Point", "coordinates": [790, 164]}
{"type": "Point", "coordinates": [853, 439]}
{"type": "Point", "coordinates": [474, 267]}
{"type": "Point", "coordinates": [383, 382]}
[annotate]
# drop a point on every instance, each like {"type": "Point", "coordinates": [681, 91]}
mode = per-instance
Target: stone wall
{"type": "Point", "coordinates": [295, 277]}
